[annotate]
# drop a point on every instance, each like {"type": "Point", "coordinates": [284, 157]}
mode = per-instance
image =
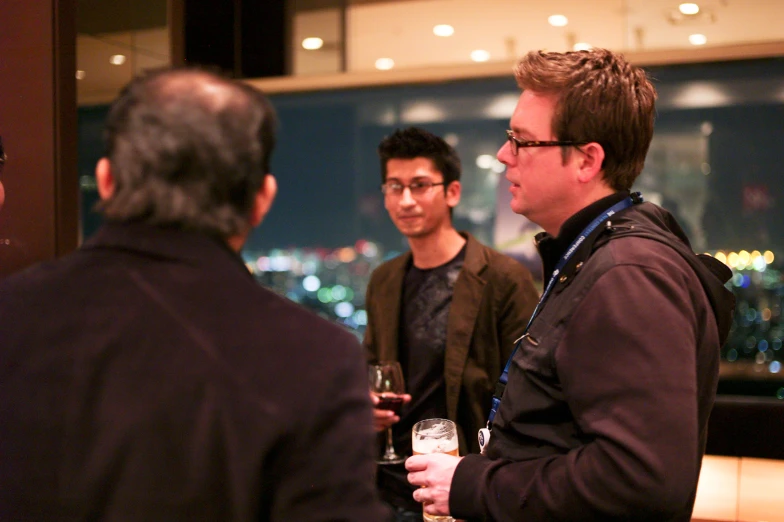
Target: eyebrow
{"type": "Point", "coordinates": [522, 132]}
{"type": "Point", "coordinates": [415, 178]}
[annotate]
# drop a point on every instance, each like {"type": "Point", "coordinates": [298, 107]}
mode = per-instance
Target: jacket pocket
{"type": "Point", "coordinates": [536, 351]}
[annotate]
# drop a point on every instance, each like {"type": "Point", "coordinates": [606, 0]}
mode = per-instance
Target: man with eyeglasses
{"type": "Point", "coordinates": [449, 310]}
{"type": "Point", "coordinates": [601, 413]}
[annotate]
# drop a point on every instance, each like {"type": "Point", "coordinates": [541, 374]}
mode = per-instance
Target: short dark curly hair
{"type": "Point", "coordinates": [414, 142]}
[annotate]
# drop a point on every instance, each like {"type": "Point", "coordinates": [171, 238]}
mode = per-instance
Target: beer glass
{"type": "Point", "coordinates": [386, 382]}
{"type": "Point", "coordinates": [434, 436]}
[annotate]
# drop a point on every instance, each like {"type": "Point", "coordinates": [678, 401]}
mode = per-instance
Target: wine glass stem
{"type": "Point", "coordinates": [390, 452]}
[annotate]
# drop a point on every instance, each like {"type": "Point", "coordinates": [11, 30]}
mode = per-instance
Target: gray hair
{"type": "Point", "coordinates": [188, 149]}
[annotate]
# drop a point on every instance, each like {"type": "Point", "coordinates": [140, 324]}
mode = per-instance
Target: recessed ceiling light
{"type": "Point", "coordinates": [582, 46]}
{"type": "Point", "coordinates": [385, 64]}
{"type": "Point", "coordinates": [312, 43]}
{"type": "Point", "coordinates": [697, 39]}
{"type": "Point", "coordinates": [117, 59]}
{"type": "Point", "coordinates": [443, 30]}
{"type": "Point", "coordinates": [689, 9]}
{"type": "Point", "coordinates": [80, 74]}
{"type": "Point", "coordinates": [480, 55]}
{"type": "Point", "coordinates": [558, 20]}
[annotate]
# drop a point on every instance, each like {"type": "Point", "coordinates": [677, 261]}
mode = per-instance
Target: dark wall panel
{"type": "Point", "coordinates": [38, 125]}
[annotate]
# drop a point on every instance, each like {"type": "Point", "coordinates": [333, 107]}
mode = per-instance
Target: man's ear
{"type": "Point", "coordinates": [262, 202]}
{"type": "Point", "coordinates": [453, 194]}
{"type": "Point", "coordinates": [104, 178]}
{"type": "Point", "coordinates": [590, 162]}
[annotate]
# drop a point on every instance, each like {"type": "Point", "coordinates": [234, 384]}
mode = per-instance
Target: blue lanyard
{"type": "Point", "coordinates": [504, 378]}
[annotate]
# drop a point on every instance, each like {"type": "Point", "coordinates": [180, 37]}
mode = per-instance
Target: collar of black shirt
{"type": "Point", "coordinates": [551, 248]}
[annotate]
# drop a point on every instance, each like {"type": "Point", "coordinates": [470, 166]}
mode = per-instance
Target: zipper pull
{"type": "Point", "coordinates": [614, 228]}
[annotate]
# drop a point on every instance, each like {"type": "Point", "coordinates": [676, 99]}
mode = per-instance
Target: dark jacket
{"type": "Point", "coordinates": [149, 377]}
{"type": "Point", "coordinates": [13, 256]}
{"type": "Point", "coordinates": [605, 414]}
{"type": "Point", "coordinates": [493, 298]}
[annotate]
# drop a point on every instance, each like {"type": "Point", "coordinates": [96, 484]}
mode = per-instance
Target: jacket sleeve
{"type": "Point", "coordinates": [518, 300]}
{"type": "Point", "coordinates": [327, 472]}
{"type": "Point", "coordinates": [627, 365]}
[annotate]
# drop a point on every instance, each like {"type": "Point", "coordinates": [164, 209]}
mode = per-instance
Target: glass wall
{"type": "Point", "coordinates": [714, 162]}
{"type": "Point", "coordinates": [116, 40]}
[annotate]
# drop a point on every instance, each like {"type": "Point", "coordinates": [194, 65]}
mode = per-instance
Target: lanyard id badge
{"type": "Point", "coordinates": [484, 439]}
{"type": "Point", "coordinates": [485, 433]}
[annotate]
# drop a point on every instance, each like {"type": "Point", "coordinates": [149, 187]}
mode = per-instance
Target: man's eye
{"type": "Point", "coordinates": [418, 185]}
{"type": "Point", "coordinates": [396, 187]}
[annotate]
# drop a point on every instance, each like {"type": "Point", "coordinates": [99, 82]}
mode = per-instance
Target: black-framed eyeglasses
{"type": "Point", "coordinates": [417, 188]}
{"type": "Point", "coordinates": [520, 144]}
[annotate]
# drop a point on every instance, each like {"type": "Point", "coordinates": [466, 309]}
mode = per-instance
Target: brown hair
{"type": "Point", "coordinates": [600, 98]}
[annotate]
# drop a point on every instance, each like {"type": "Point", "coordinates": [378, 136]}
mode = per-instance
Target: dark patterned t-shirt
{"type": "Point", "coordinates": [424, 310]}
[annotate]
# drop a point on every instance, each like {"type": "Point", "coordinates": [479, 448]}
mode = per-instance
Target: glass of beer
{"type": "Point", "coordinates": [434, 436]}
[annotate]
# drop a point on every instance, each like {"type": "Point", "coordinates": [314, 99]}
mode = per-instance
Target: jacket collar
{"type": "Point", "coordinates": [169, 243]}
{"type": "Point", "coordinates": [551, 248]}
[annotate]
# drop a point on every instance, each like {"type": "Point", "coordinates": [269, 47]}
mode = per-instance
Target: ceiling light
{"type": "Point", "coordinates": [443, 30]}
{"type": "Point", "coordinates": [697, 39]}
{"type": "Point", "coordinates": [117, 59]}
{"type": "Point", "coordinates": [582, 46]}
{"type": "Point", "coordinates": [689, 9]}
{"type": "Point", "coordinates": [312, 43]}
{"type": "Point", "coordinates": [385, 64]}
{"type": "Point", "coordinates": [557, 20]}
{"type": "Point", "coordinates": [480, 55]}
{"type": "Point", "coordinates": [80, 74]}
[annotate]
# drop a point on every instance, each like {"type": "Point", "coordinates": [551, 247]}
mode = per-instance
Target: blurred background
{"type": "Point", "coordinates": [342, 74]}
{"type": "Point", "coordinates": [350, 72]}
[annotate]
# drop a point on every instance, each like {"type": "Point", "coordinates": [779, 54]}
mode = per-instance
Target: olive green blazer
{"type": "Point", "coordinates": [493, 298]}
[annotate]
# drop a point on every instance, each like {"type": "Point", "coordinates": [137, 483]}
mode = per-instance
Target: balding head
{"type": "Point", "coordinates": [199, 88]}
{"type": "Point", "coordinates": [188, 148]}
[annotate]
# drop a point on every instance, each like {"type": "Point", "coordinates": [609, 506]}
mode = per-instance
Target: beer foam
{"type": "Point", "coordinates": [427, 446]}
{"type": "Point", "coordinates": [438, 438]}
{"type": "Point", "coordinates": [438, 429]}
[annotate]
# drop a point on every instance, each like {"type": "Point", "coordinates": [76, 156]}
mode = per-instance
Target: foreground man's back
{"type": "Point", "coordinates": [148, 377]}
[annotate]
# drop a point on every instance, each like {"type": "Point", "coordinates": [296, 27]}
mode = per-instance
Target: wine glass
{"type": "Point", "coordinates": [386, 382]}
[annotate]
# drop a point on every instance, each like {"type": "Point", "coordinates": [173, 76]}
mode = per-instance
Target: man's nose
{"type": "Point", "coordinates": [504, 154]}
{"type": "Point", "coordinates": [406, 198]}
